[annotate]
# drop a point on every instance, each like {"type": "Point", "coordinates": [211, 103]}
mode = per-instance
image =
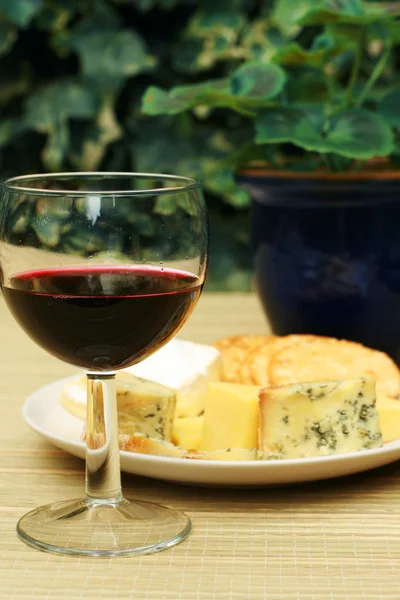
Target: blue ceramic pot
{"type": "Point", "coordinates": [327, 255]}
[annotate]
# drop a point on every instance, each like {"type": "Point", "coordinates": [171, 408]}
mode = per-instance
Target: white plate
{"type": "Point", "coordinates": [44, 413]}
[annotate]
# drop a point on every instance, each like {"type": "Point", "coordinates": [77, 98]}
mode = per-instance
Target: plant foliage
{"type": "Point", "coordinates": [199, 88]}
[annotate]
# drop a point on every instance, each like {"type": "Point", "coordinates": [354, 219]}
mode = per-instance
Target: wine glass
{"type": "Point", "coordinates": [101, 270]}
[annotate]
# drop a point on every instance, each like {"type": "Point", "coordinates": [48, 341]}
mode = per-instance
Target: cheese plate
{"type": "Point", "coordinates": [44, 413]}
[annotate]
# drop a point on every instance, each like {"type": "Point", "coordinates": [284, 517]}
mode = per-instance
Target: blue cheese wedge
{"type": "Point", "coordinates": [317, 419]}
{"type": "Point", "coordinates": [186, 368]}
{"type": "Point", "coordinates": [143, 406]}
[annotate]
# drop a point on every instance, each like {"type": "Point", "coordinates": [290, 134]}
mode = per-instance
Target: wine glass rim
{"type": "Point", "coordinates": [186, 184]}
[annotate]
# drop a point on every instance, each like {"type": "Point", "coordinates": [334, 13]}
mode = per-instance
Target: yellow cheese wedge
{"type": "Point", "coordinates": [231, 417]}
{"type": "Point", "coordinates": [389, 418]}
{"type": "Point", "coordinates": [187, 432]}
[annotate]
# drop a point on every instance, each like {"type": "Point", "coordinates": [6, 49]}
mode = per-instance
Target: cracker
{"type": "Point", "coordinates": [226, 342]}
{"type": "Point", "coordinates": [242, 341]}
{"type": "Point", "coordinates": [259, 360]}
{"type": "Point", "coordinates": [245, 372]}
{"type": "Point", "coordinates": [322, 359]}
{"type": "Point", "coordinates": [234, 351]}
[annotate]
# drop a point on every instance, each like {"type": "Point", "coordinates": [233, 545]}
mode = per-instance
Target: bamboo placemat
{"type": "Point", "coordinates": [323, 541]}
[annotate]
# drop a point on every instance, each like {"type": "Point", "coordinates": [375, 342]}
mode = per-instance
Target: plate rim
{"type": "Point", "coordinates": [387, 448]}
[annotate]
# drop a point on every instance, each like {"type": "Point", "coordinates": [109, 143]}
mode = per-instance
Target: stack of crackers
{"type": "Point", "coordinates": [274, 361]}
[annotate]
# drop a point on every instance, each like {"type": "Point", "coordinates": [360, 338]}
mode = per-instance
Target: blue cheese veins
{"type": "Point", "coordinates": [317, 419]}
{"type": "Point", "coordinates": [143, 406]}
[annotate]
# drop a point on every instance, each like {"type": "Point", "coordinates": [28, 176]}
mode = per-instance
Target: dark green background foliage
{"type": "Point", "coordinates": [218, 81]}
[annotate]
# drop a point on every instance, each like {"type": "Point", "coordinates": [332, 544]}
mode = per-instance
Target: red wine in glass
{"type": "Point", "coordinates": [102, 318]}
{"type": "Point", "coordinates": [103, 298]}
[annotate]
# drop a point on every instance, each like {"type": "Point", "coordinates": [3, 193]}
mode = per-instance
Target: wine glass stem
{"type": "Point", "coordinates": [103, 475]}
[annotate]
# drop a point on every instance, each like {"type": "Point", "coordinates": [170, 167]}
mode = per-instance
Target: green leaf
{"type": "Point", "coordinates": [48, 111]}
{"type": "Point", "coordinates": [109, 56]}
{"type": "Point", "coordinates": [88, 150]}
{"type": "Point", "coordinates": [360, 133]}
{"type": "Point", "coordinates": [59, 208]}
{"type": "Point", "coordinates": [165, 205]}
{"type": "Point", "coordinates": [194, 54]}
{"type": "Point", "coordinates": [279, 125]}
{"type": "Point", "coordinates": [196, 152]}
{"type": "Point", "coordinates": [287, 14]}
{"type": "Point", "coordinates": [309, 132]}
{"type": "Point", "coordinates": [343, 11]}
{"type": "Point", "coordinates": [8, 35]}
{"type": "Point", "coordinates": [10, 129]}
{"type": "Point", "coordinates": [345, 35]}
{"type": "Point", "coordinates": [56, 146]}
{"type": "Point", "coordinates": [261, 40]}
{"type": "Point", "coordinates": [47, 230]}
{"type": "Point", "coordinates": [55, 17]}
{"type": "Point", "coordinates": [211, 35]}
{"type": "Point", "coordinates": [188, 203]}
{"type": "Point", "coordinates": [293, 54]}
{"type": "Point", "coordinates": [185, 156]}
{"type": "Point", "coordinates": [351, 8]}
{"type": "Point", "coordinates": [258, 80]}
{"type": "Point", "coordinates": [21, 217]}
{"type": "Point", "coordinates": [217, 17]}
{"type": "Point", "coordinates": [147, 225]}
{"type": "Point", "coordinates": [336, 39]}
{"type": "Point", "coordinates": [252, 84]}
{"type": "Point", "coordinates": [84, 241]}
{"type": "Point", "coordinates": [323, 41]}
{"type": "Point", "coordinates": [389, 108]}
{"type": "Point", "coordinates": [392, 31]}
{"type": "Point", "coordinates": [57, 102]}
{"type": "Point", "coordinates": [20, 12]}
{"type": "Point", "coordinates": [223, 181]}
{"type": "Point", "coordinates": [158, 102]}
{"type": "Point", "coordinates": [307, 88]}
{"type": "Point", "coordinates": [355, 133]}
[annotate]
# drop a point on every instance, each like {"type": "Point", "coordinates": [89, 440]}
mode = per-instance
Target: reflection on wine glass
{"type": "Point", "coordinates": [101, 270]}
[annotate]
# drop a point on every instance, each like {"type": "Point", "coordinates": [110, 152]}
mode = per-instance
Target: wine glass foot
{"type": "Point", "coordinates": [89, 528]}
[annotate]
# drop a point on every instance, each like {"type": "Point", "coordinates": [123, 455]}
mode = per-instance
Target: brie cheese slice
{"type": "Point", "coordinates": [185, 367]}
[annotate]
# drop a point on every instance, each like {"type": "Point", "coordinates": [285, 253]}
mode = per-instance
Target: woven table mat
{"type": "Point", "coordinates": [327, 540]}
